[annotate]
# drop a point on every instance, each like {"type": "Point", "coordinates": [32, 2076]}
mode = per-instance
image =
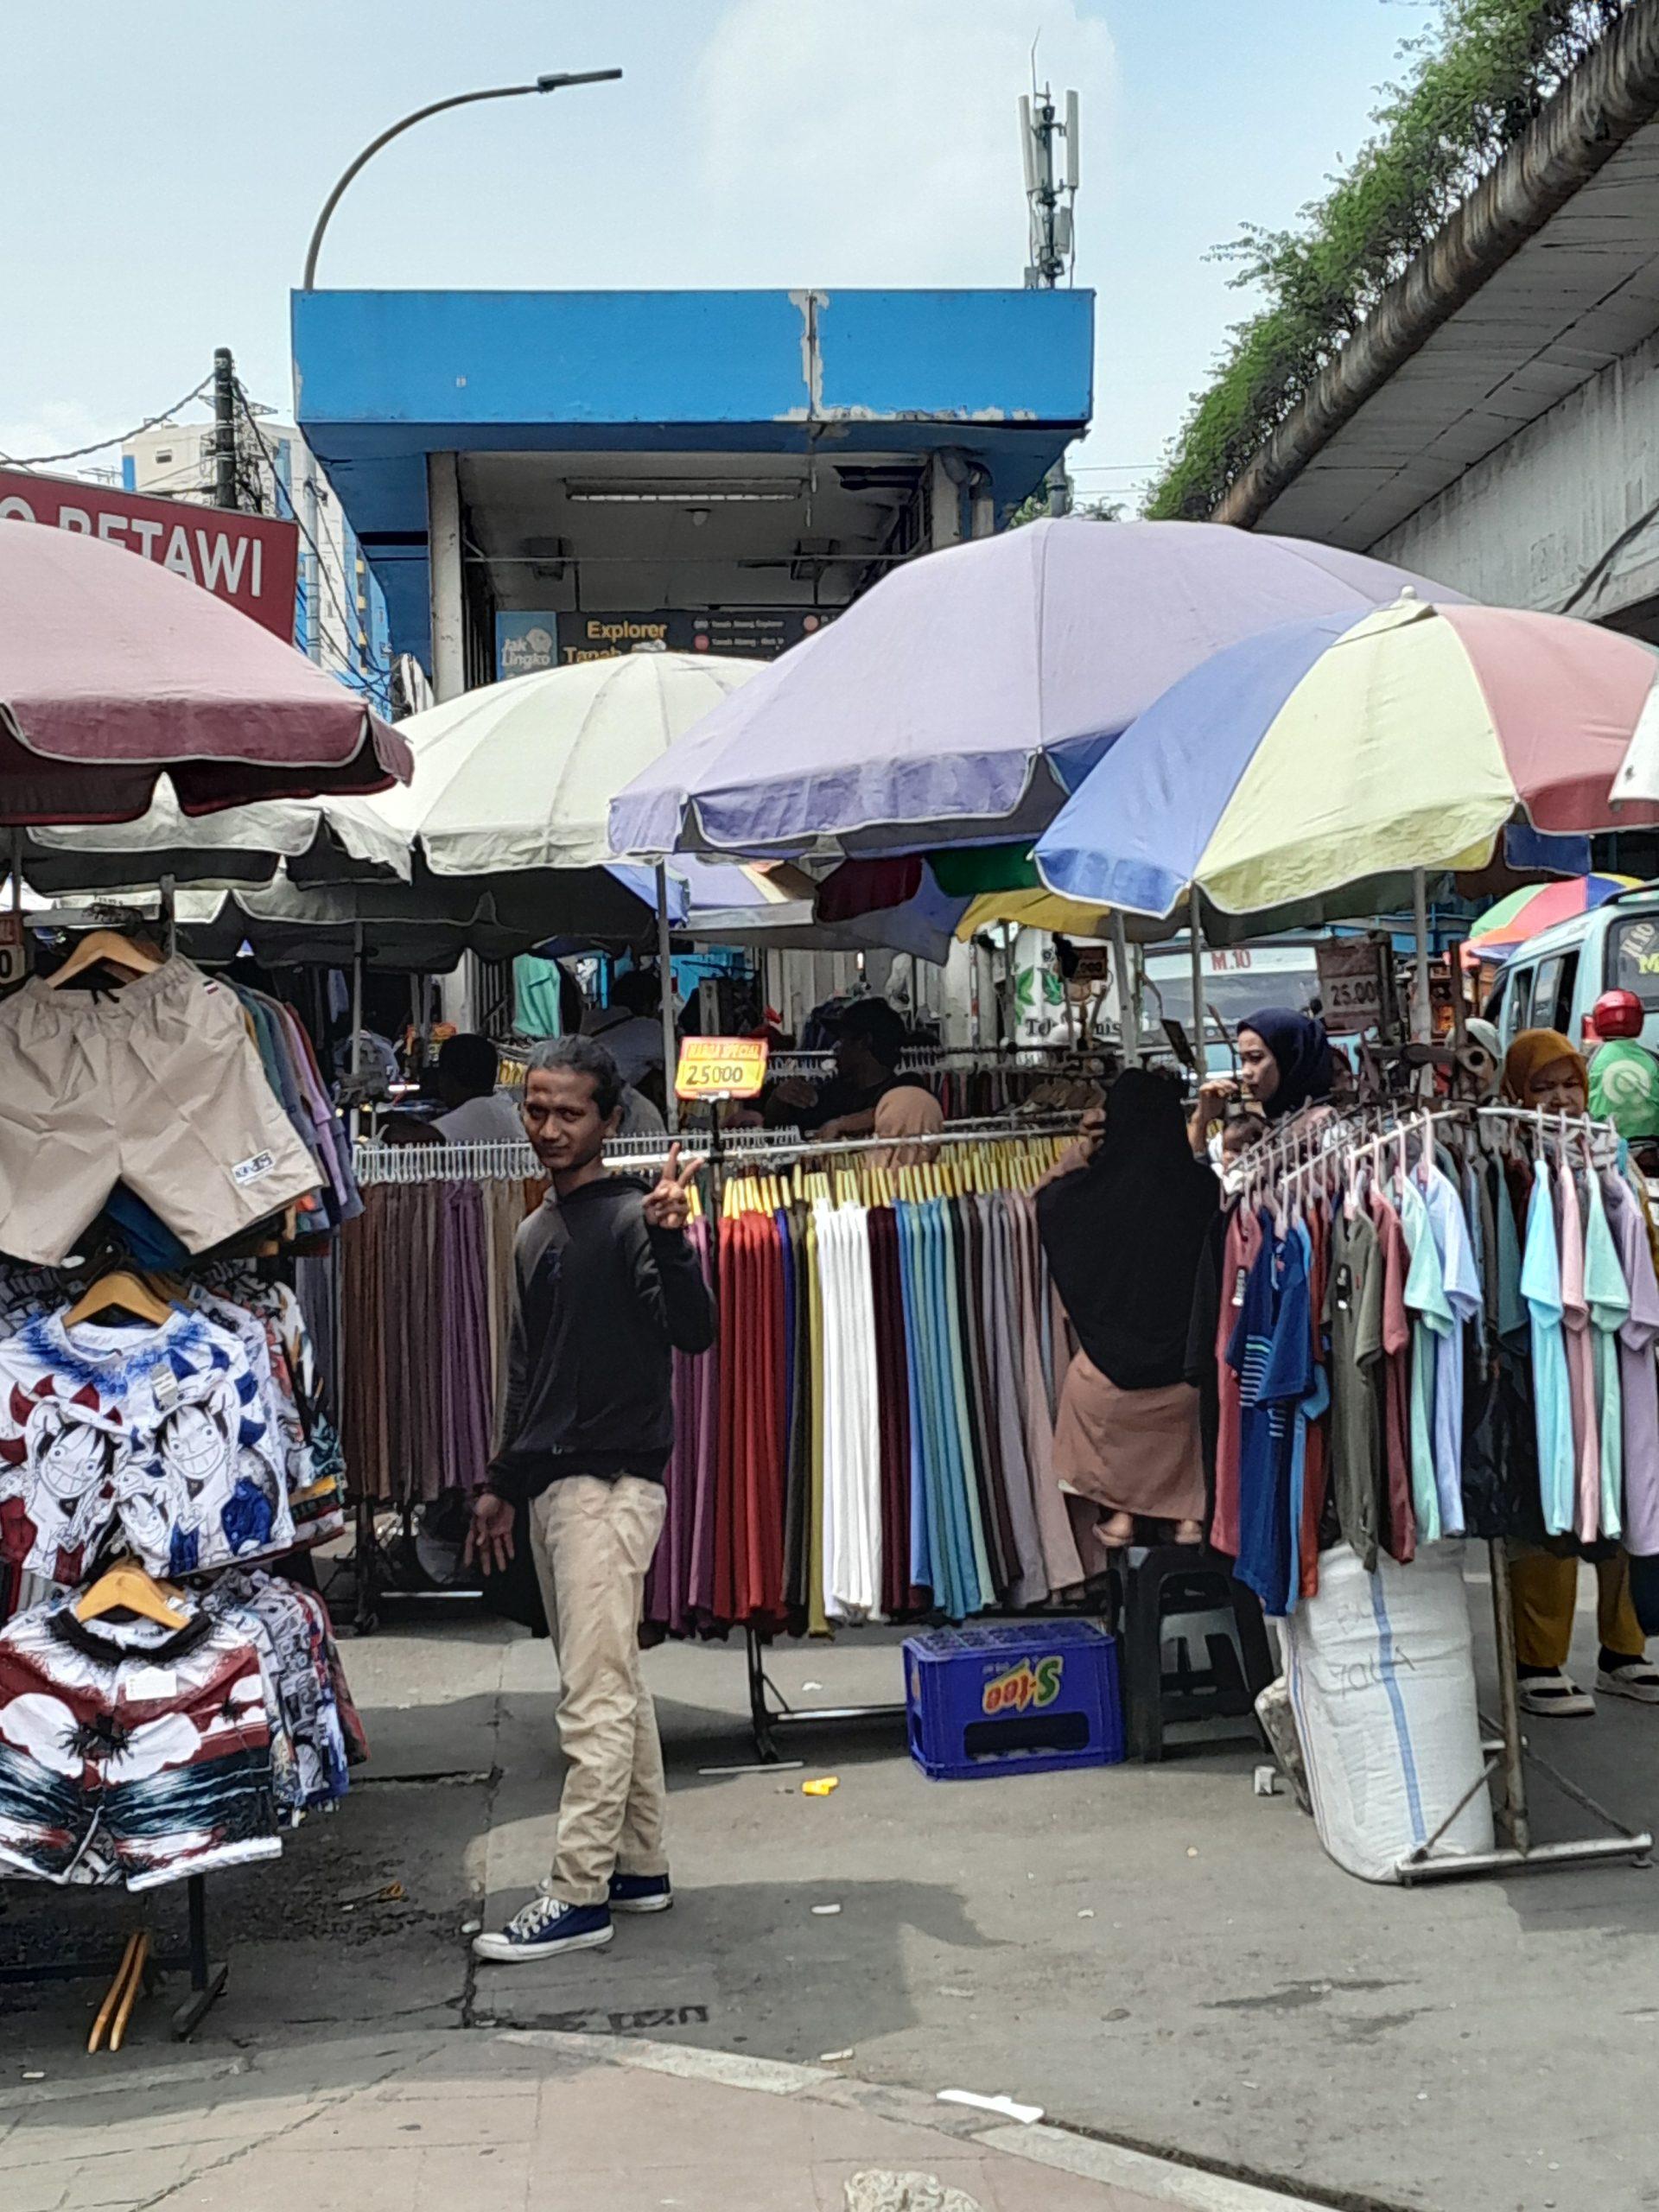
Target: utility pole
{"type": "Point", "coordinates": [224, 429]}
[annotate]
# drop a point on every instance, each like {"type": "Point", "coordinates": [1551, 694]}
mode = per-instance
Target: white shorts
{"type": "Point", "coordinates": [159, 1086]}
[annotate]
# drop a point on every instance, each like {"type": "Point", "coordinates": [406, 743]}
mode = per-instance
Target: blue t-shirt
{"type": "Point", "coordinates": [1460, 1284]}
{"type": "Point", "coordinates": [1274, 1334]}
{"type": "Point", "coordinates": [1431, 1317]}
{"type": "Point", "coordinates": [1541, 1286]}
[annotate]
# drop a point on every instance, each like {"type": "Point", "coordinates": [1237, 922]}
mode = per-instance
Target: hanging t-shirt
{"type": "Point", "coordinates": [1639, 1381]}
{"type": "Point", "coordinates": [1461, 1285]}
{"type": "Point", "coordinates": [1398, 1522]}
{"type": "Point", "coordinates": [1541, 1287]}
{"type": "Point", "coordinates": [1580, 1359]}
{"type": "Point", "coordinates": [1431, 1317]}
{"type": "Point", "coordinates": [1608, 1297]}
{"type": "Point", "coordinates": [1274, 1356]}
{"type": "Point", "coordinates": [1353, 1319]}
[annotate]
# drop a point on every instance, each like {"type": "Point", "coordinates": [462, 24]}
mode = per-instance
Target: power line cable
{"type": "Point", "coordinates": [78, 453]}
{"type": "Point", "coordinates": [352, 627]}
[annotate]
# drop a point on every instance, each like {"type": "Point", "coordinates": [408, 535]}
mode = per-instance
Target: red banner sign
{"type": "Point", "coordinates": [250, 560]}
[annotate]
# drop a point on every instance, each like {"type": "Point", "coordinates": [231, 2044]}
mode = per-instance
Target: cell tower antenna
{"type": "Point", "coordinates": [1051, 199]}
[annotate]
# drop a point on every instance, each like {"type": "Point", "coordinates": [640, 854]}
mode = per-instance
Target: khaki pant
{"type": "Point", "coordinates": [593, 1542]}
{"type": "Point", "coordinates": [1545, 1591]}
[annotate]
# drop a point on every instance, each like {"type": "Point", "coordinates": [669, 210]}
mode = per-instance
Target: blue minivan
{"type": "Point", "coordinates": [1554, 980]}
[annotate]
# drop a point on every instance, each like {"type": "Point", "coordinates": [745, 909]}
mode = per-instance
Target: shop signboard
{"type": "Point", "coordinates": [741, 632]}
{"type": "Point", "coordinates": [1351, 985]}
{"type": "Point", "coordinates": [11, 951]}
{"type": "Point", "coordinates": [525, 642]}
{"type": "Point", "coordinates": [252, 561]}
{"type": "Point", "coordinates": [720, 1067]}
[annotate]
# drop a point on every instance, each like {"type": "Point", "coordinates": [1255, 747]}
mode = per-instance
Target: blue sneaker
{"type": "Point", "coordinates": [641, 1893]}
{"type": "Point", "coordinates": [544, 1927]}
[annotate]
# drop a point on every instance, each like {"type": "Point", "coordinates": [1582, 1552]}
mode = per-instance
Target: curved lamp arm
{"type": "Point", "coordinates": [549, 84]}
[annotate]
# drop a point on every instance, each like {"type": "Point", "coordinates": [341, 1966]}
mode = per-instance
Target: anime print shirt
{"type": "Point", "coordinates": [159, 1435]}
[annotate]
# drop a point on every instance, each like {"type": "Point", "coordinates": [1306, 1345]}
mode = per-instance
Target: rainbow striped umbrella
{"type": "Point", "coordinates": [1332, 750]}
{"type": "Point", "coordinates": [1535, 907]}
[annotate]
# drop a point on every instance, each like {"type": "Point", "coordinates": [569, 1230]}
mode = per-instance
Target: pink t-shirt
{"type": "Point", "coordinates": [1639, 1379]}
{"type": "Point", "coordinates": [1580, 1355]}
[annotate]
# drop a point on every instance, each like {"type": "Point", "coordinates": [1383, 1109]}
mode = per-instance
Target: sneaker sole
{"type": "Point", "coordinates": [642, 1904]}
{"type": "Point", "coordinates": [495, 1951]}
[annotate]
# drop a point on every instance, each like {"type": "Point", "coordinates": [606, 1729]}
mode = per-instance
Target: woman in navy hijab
{"type": "Point", "coordinates": [1284, 1064]}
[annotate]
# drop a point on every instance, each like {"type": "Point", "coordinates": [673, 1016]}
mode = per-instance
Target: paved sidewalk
{"type": "Point", "coordinates": [517, 2121]}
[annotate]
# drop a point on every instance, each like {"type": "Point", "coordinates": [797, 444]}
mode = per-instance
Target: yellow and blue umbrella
{"type": "Point", "coordinates": [1332, 750]}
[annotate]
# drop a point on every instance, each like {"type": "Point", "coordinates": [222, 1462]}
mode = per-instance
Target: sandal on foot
{"type": "Point", "coordinates": [1637, 1678]}
{"type": "Point", "coordinates": [1189, 1532]}
{"type": "Point", "coordinates": [1117, 1530]}
{"type": "Point", "coordinates": [1555, 1697]}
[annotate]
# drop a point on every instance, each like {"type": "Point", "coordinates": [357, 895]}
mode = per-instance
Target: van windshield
{"type": "Point", "coordinates": [1633, 958]}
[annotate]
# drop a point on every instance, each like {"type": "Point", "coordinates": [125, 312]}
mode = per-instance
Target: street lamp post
{"type": "Point", "coordinates": [553, 83]}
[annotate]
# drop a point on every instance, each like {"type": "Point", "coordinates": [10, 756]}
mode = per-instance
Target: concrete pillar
{"type": "Point", "coordinates": [444, 570]}
{"type": "Point", "coordinates": [944, 501]}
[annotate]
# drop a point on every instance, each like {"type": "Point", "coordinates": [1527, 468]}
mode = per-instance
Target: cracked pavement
{"type": "Point", "coordinates": [1154, 1955]}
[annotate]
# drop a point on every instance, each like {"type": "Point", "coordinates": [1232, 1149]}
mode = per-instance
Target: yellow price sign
{"type": "Point", "coordinates": [720, 1067]}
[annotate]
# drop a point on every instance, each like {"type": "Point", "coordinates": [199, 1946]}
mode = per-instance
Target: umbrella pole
{"type": "Point", "coordinates": [666, 979]}
{"type": "Point", "coordinates": [1422, 1021]}
{"type": "Point", "coordinates": [18, 896]}
{"type": "Point", "coordinates": [1128, 1028]}
{"type": "Point", "coordinates": [357, 1021]}
{"type": "Point", "coordinates": [1195, 948]}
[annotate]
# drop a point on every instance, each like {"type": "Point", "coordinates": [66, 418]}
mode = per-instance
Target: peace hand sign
{"type": "Point", "coordinates": [668, 1205]}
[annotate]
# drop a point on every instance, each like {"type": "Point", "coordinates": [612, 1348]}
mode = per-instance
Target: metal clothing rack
{"type": "Point", "coordinates": [1324, 1148]}
{"type": "Point", "coordinates": [737, 1149]}
{"type": "Point", "coordinates": [730, 1151]}
{"type": "Point", "coordinates": [207, 1976]}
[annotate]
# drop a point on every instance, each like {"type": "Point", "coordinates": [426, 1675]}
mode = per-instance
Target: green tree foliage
{"type": "Point", "coordinates": [1474, 83]}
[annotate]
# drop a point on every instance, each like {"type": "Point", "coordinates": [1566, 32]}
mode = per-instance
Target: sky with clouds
{"type": "Point", "coordinates": [165, 163]}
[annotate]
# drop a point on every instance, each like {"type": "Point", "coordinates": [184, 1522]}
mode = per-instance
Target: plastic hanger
{"type": "Point", "coordinates": [126, 1587]}
{"type": "Point", "coordinates": [105, 948]}
{"type": "Point", "coordinates": [125, 1289]}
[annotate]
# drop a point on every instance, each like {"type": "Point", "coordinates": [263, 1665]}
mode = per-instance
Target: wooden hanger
{"type": "Point", "coordinates": [106, 948]}
{"type": "Point", "coordinates": [124, 1289]}
{"type": "Point", "coordinates": [127, 1588]}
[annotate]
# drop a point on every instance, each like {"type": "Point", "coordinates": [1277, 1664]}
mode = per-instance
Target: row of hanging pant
{"type": "Point", "coordinates": [872, 1437]}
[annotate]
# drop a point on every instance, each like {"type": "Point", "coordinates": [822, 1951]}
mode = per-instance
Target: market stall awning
{"type": "Point", "coordinates": [1325, 753]}
{"type": "Point", "coordinates": [965, 695]}
{"type": "Point", "coordinates": [114, 670]}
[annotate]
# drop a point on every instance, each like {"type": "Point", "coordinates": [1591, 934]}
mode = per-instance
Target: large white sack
{"type": "Point", "coordinates": [1382, 1676]}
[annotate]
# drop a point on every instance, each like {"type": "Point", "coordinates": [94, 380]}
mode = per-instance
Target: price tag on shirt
{"type": "Point", "coordinates": [720, 1067]}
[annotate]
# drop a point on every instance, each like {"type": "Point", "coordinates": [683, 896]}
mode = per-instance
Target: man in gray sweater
{"type": "Point", "coordinates": [606, 1290]}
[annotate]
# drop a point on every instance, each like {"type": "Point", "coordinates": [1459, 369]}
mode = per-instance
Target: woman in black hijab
{"type": "Point", "coordinates": [1122, 1236]}
{"type": "Point", "coordinates": [1284, 1064]}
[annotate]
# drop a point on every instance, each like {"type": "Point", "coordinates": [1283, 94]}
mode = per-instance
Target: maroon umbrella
{"type": "Point", "coordinates": [114, 670]}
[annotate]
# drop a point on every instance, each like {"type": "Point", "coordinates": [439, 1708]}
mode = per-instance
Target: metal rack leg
{"type": "Point", "coordinates": [760, 1717]}
{"type": "Point", "coordinates": [365, 1557]}
{"type": "Point", "coordinates": [1512, 1810]}
{"type": "Point", "coordinates": [208, 1978]}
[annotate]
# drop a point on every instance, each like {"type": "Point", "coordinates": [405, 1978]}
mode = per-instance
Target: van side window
{"type": "Point", "coordinates": [1552, 992]}
{"type": "Point", "coordinates": [1517, 998]}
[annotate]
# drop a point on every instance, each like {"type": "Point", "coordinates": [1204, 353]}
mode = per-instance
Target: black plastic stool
{"type": "Point", "coordinates": [1159, 1585]}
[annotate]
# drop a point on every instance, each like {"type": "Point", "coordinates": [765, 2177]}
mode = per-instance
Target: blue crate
{"type": "Point", "coordinates": [1020, 1697]}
